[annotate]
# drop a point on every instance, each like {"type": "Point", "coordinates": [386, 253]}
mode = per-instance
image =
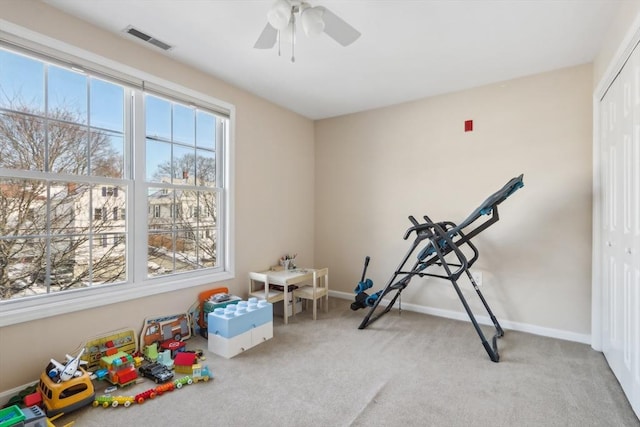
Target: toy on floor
{"type": "Point", "coordinates": [54, 396]}
{"type": "Point", "coordinates": [64, 372]}
{"type": "Point", "coordinates": [66, 396]}
{"type": "Point", "coordinates": [156, 372]}
{"type": "Point", "coordinates": [96, 347]}
{"type": "Point", "coordinates": [199, 374]}
{"type": "Point", "coordinates": [441, 245]}
{"type": "Point", "coordinates": [208, 301]}
{"type": "Point", "coordinates": [157, 329]}
{"type": "Point", "coordinates": [120, 367]}
{"type": "Point", "coordinates": [239, 327]}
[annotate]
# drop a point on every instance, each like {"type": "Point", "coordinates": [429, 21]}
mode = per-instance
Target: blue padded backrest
{"type": "Point", "coordinates": [484, 209]}
{"type": "Point", "coordinates": [493, 200]}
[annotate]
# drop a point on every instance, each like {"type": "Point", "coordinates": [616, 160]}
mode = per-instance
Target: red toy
{"type": "Point", "coordinates": [184, 361]}
{"type": "Point", "coordinates": [147, 394]}
{"type": "Point", "coordinates": [33, 399]}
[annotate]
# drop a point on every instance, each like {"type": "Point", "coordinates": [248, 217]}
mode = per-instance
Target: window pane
{"type": "Point", "coordinates": [161, 259]}
{"type": "Point", "coordinates": [205, 168]}
{"type": "Point", "coordinates": [22, 142]}
{"type": "Point", "coordinates": [160, 212]}
{"type": "Point", "coordinates": [206, 130]}
{"type": "Point", "coordinates": [108, 262]}
{"type": "Point", "coordinates": [21, 83]}
{"type": "Point", "coordinates": [186, 259]}
{"type": "Point", "coordinates": [186, 248]}
{"type": "Point", "coordinates": [184, 167]}
{"type": "Point", "coordinates": [107, 154]}
{"type": "Point", "coordinates": [207, 204]}
{"type": "Point", "coordinates": [158, 164]}
{"type": "Point", "coordinates": [17, 275]}
{"type": "Point", "coordinates": [183, 124]}
{"type": "Point", "coordinates": [63, 260]}
{"type": "Point", "coordinates": [23, 257]}
{"type": "Point", "coordinates": [158, 118]}
{"type": "Point", "coordinates": [23, 206]}
{"type": "Point", "coordinates": [32, 266]}
{"type": "Point", "coordinates": [67, 95]}
{"type": "Point", "coordinates": [206, 250]}
{"type": "Point", "coordinates": [69, 208]}
{"type": "Point", "coordinates": [207, 247]}
{"type": "Point", "coordinates": [188, 202]}
{"type": "Point", "coordinates": [106, 198]}
{"type": "Point", "coordinates": [67, 148]}
{"type": "Point", "coordinates": [107, 105]}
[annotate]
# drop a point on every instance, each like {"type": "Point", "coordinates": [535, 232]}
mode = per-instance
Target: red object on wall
{"type": "Point", "coordinates": [468, 125]}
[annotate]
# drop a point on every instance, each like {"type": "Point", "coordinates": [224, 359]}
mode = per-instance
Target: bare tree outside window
{"type": "Point", "coordinates": [45, 225]}
{"type": "Point", "coordinates": [182, 217]}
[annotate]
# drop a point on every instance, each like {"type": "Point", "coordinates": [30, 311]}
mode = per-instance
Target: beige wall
{"type": "Point", "coordinates": [274, 162]}
{"type": "Point", "coordinates": [375, 168]}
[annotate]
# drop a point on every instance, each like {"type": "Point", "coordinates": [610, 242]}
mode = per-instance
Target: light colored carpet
{"type": "Point", "coordinates": [403, 370]}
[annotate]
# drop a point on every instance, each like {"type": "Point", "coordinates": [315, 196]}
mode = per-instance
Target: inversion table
{"type": "Point", "coordinates": [440, 244]}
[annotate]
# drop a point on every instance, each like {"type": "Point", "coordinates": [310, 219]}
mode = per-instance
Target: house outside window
{"type": "Point", "coordinates": [109, 191]}
{"type": "Point", "coordinates": [68, 152]}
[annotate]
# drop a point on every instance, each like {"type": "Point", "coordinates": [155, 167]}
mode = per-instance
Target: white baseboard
{"type": "Point", "coordinates": [485, 320]}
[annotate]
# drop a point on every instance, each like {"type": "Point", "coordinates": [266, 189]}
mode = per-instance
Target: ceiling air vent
{"type": "Point", "coordinates": [147, 38]}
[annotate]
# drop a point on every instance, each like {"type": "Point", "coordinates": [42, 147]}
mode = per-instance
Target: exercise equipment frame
{"type": "Point", "coordinates": [440, 240]}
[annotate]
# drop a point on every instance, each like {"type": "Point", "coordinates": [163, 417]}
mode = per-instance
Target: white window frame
{"type": "Point", "coordinates": [32, 308]}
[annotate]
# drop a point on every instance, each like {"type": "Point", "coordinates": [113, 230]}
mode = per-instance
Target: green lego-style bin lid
{"type": "Point", "coordinates": [11, 416]}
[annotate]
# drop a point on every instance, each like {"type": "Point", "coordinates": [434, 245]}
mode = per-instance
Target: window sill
{"type": "Point", "coordinates": [25, 310]}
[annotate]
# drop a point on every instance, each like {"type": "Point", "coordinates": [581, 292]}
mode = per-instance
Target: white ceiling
{"type": "Point", "coordinates": [408, 49]}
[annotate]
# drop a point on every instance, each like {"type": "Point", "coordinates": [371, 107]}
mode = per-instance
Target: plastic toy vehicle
{"type": "Point", "coordinates": [200, 373]}
{"type": "Point", "coordinates": [156, 372]}
{"type": "Point", "coordinates": [147, 394]}
{"type": "Point", "coordinates": [122, 400]}
{"type": "Point", "coordinates": [62, 372]}
{"type": "Point", "coordinates": [165, 387]}
{"type": "Point", "coordinates": [182, 381]}
{"type": "Point", "coordinates": [104, 401]}
{"type": "Point", "coordinates": [66, 396]}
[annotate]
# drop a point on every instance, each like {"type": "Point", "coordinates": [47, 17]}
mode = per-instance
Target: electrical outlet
{"type": "Point", "coordinates": [477, 277]}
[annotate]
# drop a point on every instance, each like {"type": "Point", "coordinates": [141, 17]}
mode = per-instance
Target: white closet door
{"type": "Point", "coordinates": [620, 227]}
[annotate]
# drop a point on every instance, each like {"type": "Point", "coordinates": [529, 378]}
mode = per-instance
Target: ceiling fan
{"type": "Point", "coordinates": [284, 15]}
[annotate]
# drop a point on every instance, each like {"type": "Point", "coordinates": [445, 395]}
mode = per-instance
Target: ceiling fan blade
{"type": "Point", "coordinates": [267, 38]}
{"type": "Point", "coordinates": [338, 29]}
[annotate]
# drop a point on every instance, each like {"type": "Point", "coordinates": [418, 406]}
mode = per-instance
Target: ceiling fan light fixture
{"type": "Point", "coordinates": [312, 22]}
{"type": "Point", "coordinates": [281, 25]}
{"type": "Point", "coordinates": [279, 14]}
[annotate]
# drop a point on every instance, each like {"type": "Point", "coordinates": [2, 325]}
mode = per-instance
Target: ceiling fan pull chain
{"type": "Point", "coordinates": [279, 34]}
{"type": "Point", "coordinates": [293, 38]}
